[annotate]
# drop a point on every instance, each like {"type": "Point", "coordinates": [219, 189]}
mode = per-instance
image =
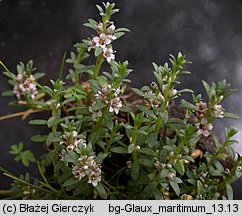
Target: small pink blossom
{"type": "Point", "coordinates": [204, 128]}
{"type": "Point", "coordinates": [202, 107]}
{"type": "Point", "coordinates": [87, 167]}
{"type": "Point", "coordinates": [78, 172]}
{"type": "Point", "coordinates": [102, 41]}
{"type": "Point", "coordinates": [25, 86]}
{"type": "Point", "coordinates": [95, 114]}
{"type": "Point", "coordinates": [91, 45]}
{"type": "Point", "coordinates": [70, 140]}
{"type": "Point", "coordinates": [99, 27]}
{"type": "Point", "coordinates": [111, 29]}
{"type": "Point", "coordinates": [108, 53]}
{"type": "Point", "coordinates": [115, 105]}
{"type": "Point", "coordinates": [218, 111]}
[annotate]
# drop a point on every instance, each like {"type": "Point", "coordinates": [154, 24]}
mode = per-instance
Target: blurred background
{"type": "Point", "coordinates": [208, 32]}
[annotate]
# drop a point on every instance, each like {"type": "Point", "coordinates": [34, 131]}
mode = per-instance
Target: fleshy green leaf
{"type": "Point", "coordinates": [119, 150]}
{"type": "Point", "coordinates": [100, 157]}
{"type": "Point", "coordinates": [152, 138]}
{"type": "Point", "coordinates": [38, 122]}
{"type": "Point", "coordinates": [206, 87]}
{"type": "Point", "coordinates": [164, 173]}
{"type": "Point", "coordinates": [131, 148]}
{"type": "Point", "coordinates": [175, 187]}
{"type": "Point", "coordinates": [146, 111]}
{"type": "Point", "coordinates": [230, 115]}
{"type": "Point", "coordinates": [179, 167]}
{"type": "Point", "coordinates": [229, 190]}
{"type": "Point", "coordinates": [151, 191]}
{"type": "Point", "coordinates": [135, 170]}
{"type": "Point", "coordinates": [101, 190]}
{"type": "Point", "coordinates": [175, 123]}
{"type": "Point", "coordinates": [8, 93]}
{"type": "Point", "coordinates": [98, 51]}
{"type": "Point", "coordinates": [38, 75]}
{"type": "Point", "coordinates": [199, 188]}
{"type": "Point", "coordinates": [70, 181]}
{"type": "Point", "coordinates": [39, 138]}
{"type": "Point", "coordinates": [53, 137]}
{"type": "Point", "coordinates": [138, 92]}
{"type": "Point", "coordinates": [147, 151]}
{"type": "Point", "coordinates": [188, 105]}
{"type": "Point", "coordinates": [146, 162]}
{"type": "Point", "coordinates": [51, 121]}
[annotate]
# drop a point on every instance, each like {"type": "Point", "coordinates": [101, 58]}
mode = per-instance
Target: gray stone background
{"type": "Point", "coordinates": [208, 32]}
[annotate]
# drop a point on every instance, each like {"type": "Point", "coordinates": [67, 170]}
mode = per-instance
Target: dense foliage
{"type": "Point", "coordinates": [108, 141]}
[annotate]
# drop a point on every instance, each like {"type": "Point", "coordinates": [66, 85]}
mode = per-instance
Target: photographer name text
{"type": "Point", "coordinates": [46, 208]}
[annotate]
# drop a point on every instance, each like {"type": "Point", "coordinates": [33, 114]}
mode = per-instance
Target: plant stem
{"type": "Point", "coordinates": [117, 173]}
{"type": "Point", "coordinates": [6, 191]}
{"type": "Point", "coordinates": [177, 151]}
{"type": "Point", "coordinates": [19, 114]}
{"type": "Point", "coordinates": [8, 71]}
{"type": "Point", "coordinates": [24, 182]}
{"type": "Point", "coordinates": [42, 174]}
{"type": "Point", "coordinates": [98, 66]}
{"type": "Point", "coordinates": [77, 62]}
{"type": "Point", "coordinates": [62, 66]}
{"type": "Point", "coordinates": [109, 142]}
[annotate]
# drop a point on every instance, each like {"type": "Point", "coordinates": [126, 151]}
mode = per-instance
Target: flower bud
{"type": "Point", "coordinates": [74, 133]}
{"type": "Point", "coordinates": [169, 166]}
{"type": "Point", "coordinates": [154, 85]}
{"type": "Point", "coordinates": [137, 147]}
{"type": "Point", "coordinates": [110, 29]}
{"type": "Point", "coordinates": [175, 161]}
{"type": "Point", "coordinates": [171, 153]}
{"type": "Point", "coordinates": [99, 27]}
{"type": "Point", "coordinates": [204, 174]}
{"type": "Point", "coordinates": [239, 168]}
{"type": "Point", "coordinates": [171, 175]}
{"type": "Point", "coordinates": [173, 92]}
{"type": "Point", "coordinates": [58, 106]}
{"type": "Point", "coordinates": [227, 171]}
{"type": "Point", "coordinates": [221, 97]}
{"type": "Point", "coordinates": [129, 164]}
{"type": "Point", "coordinates": [161, 97]}
{"type": "Point", "coordinates": [159, 166]}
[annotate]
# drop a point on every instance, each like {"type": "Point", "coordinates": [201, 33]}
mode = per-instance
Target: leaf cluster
{"type": "Point", "coordinates": [106, 140]}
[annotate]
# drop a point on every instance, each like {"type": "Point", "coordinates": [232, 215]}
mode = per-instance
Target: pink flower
{"type": "Point", "coordinates": [218, 111]}
{"type": "Point", "coordinates": [99, 27]}
{"type": "Point", "coordinates": [115, 105]}
{"type": "Point", "coordinates": [25, 86]}
{"type": "Point", "coordinates": [95, 178]}
{"type": "Point", "coordinates": [78, 172]}
{"type": "Point", "coordinates": [87, 167]}
{"type": "Point", "coordinates": [102, 41]}
{"type": "Point", "coordinates": [204, 128]}
{"type": "Point", "coordinates": [110, 31]}
{"type": "Point", "coordinates": [202, 108]}
{"type": "Point", "coordinates": [91, 45]}
{"type": "Point", "coordinates": [108, 53]}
